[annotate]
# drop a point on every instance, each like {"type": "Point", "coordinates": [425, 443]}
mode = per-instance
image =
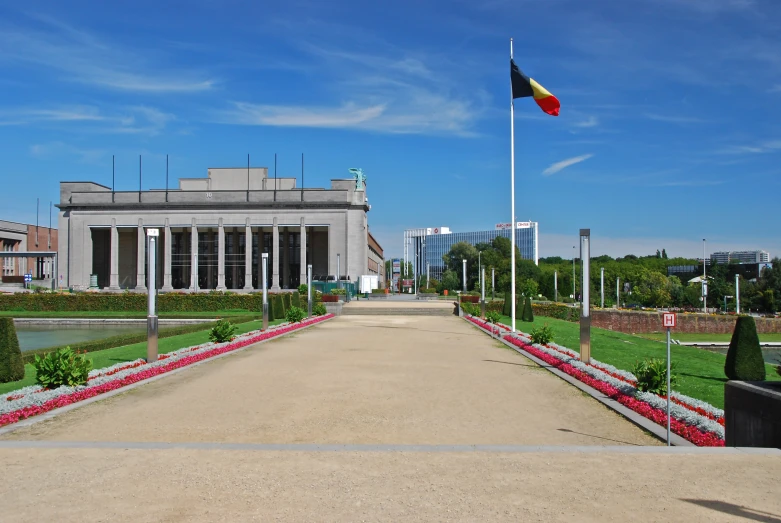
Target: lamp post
{"type": "Point", "coordinates": [309, 289]}
{"type": "Point", "coordinates": [737, 295]}
{"type": "Point", "coordinates": [555, 286]}
{"type": "Point", "coordinates": [574, 296]}
{"type": "Point", "coordinates": [602, 287]}
{"type": "Point", "coordinates": [585, 318]}
{"type": "Point", "coordinates": [151, 320]}
{"type": "Point", "coordinates": [338, 270]}
{"type": "Point", "coordinates": [725, 302]}
{"type": "Point", "coordinates": [618, 293]}
{"type": "Point", "coordinates": [493, 283]}
{"type": "Point", "coordinates": [264, 258]}
{"type": "Point", "coordinates": [704, 282]}
{"type": "Point", "coordinates": [482, 291]}
{"type": "Point", "coordinates": [464, 262]}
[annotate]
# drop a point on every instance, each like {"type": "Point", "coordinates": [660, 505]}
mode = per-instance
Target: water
{"type": "Point", "coordinates": [33, 337]}
{"type": "Point", "coordinates": [772, 356]}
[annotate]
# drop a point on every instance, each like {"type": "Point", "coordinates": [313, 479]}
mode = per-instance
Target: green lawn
{"type": "Point", "coordinates": [700, 372]}
{"type": "Point", "coordinates": [662, 336]}
{"type": "Point", "coordinates": [126, 314]}
{"type": "Point", "coordinates": [108, 357]}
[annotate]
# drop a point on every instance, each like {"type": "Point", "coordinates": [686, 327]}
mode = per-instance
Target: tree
{"type": "Point", "coordinates": [11, 365]}
{"type": "Point", "coordinates": [449, 281]}
{"type": "Point", "coordinates": [664, 254]}
{"type": "Point", "coordinates": [528, 288]}
{"type": "Point", "coordinates": [744, 357]}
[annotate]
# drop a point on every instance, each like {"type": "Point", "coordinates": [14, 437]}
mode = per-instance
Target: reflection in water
{"type": "Point", "coordinates": [33, 337]}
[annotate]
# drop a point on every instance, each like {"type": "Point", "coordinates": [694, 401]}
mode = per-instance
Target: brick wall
{"type": "Point", "coordinates": [645, 322]}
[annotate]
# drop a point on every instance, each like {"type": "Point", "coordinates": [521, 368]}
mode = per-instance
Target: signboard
{"type": "Point", "coordinates": [508, 226]}
{"type": "Point", "coordinates": [669, 319]}
{"type": "Point", "coordinates": [153, 232]}
{"type": "Point", "coordinates": [396, 263]}
{"type": "Point", "coordinates": [28, 278]}
{"type": "Point", "coordinates": [406, 283]}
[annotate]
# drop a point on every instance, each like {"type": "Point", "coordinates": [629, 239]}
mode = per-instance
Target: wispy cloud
{"type": "Point", "coordinates": [674, 119]}
{"type": "Point", "coordinates": [775, 89]}
{"type": "Point", "coordinates": [558, 166]}
{"type": "Point", "coordinates": [50, 149]}
{"type": "Point", "coordinates": [710, 6]}
{"type": "Point", "coordinates": [79, 56]}
{"type": "Point", "coordinates": [768, 146]}
{"type": "Point", "coordinates": [591, 121]}
{"type": "Point", "coordinates": [689, 183]}
{"type": "Point", "coordinates": [135, 119]}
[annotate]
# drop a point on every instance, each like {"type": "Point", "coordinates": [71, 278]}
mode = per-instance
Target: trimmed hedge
{"type": "Point", "coordinates": [507, 304]}
{"type": "Point", "coordinates": [427, 290]}
{"type": "Point", "coordinates": [128, 301]}
{"type": "Point", "coordinates": [744, 357]}
{"type": "Point", "coordinates": [378, 291]}
{"type": "Point", "coordinates": [296, 299]}
{"type": "Point", "coordinates": [279, 308]}
{"type": "Point", "coordinates": [11, 366]}
{"type": "Point", "coordinates": [128, 339]}
{"type": "Point", "coordinates": [558, 311]}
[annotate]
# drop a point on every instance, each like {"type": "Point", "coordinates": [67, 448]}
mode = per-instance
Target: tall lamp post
{"type": "Point", "coordinates": [574, 296]}
{"type": "Point", "coordinates": [585, 316]}
{"type": "Point", "coordinates": [704, 282]}
{"type": "Point", "coordinates": [464, 262]}
{"type": "Point", "coordinates": [264, 276]}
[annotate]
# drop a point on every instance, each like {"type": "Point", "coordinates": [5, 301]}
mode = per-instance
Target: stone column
{"type": "Point", "coordinates": [302, 263]}
{"type": "Point", "coordinates": [167, 258]}
{"type": "Point", "coordinates": [275, 256]}
{"type": "Point", "coordinates": [113, 280]}
{"type": "Point", "coordinates": [247, 256]}
{"type": "Point", "coordinates": [193, 256]}
{"type": "Point", "coordinates": [141, 259]}
{"type": "Point", "coordinates": [286, 259]}
{"type": "Point", "coordinates": [220, 256]}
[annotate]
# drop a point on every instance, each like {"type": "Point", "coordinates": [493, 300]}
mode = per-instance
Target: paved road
{"type": "Point", "coordinates": [376, 388]}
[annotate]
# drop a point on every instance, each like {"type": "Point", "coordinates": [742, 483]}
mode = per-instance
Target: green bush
{"type": "Point", "coordinates": [528, 314]}
{"type": "Point", "coordinates": [556, 310]}
{"type": "Point", "coordinates": [223, 331]}
{"type": "Point", "coordinates": [652, 376]}
{"type": "Point", "coordinates": [318, 309]}
{"type": "Point", "coordinates": [427, 290]}
{"type": "Point", "coordinates": [317, 296]}
{"type": "Point", "coordinates": [506, 304]}
{"type": "Point", "coordinates": [279, 308]}
{"type": "Point", "coordinates": [492, 317]}
{"type": "Point", "coordinates": [295, 299]}
{"type": "Point", "coordinates": [541, 335]}
{"type": "Point", "coordinates": [339, 292]}
{"type": "Point", "coordinates": [744, 357]}
{"type": "Point", "coordinates": [378, 291]}
{"type": "Point", "coordinates": [295, 314]}
{"type": "Point", "coordinates": [11, 365]}
{"type": "Point", "coordinates": [470, 308]}
{"type": "Point", "coordinates": [302, 289]}
{"type": "Point", "coordinates": [61, 367]}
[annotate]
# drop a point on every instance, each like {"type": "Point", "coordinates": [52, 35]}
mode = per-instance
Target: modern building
{"type": "Point", "coordinates": [726, 257]}
{"type": "Point", "coordinates": [213, 231]}
{"type": "Point", "coordinates": [426, 246]}
{"type": "Point", "coordinates": [25, 237]}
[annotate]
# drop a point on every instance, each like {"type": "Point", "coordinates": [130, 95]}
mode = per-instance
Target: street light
{"type": "Point", "coordinates": [464, 261]}
{"type": "Point", "coordinates": [704, 282]}
{"type": "Point", "coordinates": [725, 303]}
{"type": "Point", "coordinates": [574, 296]}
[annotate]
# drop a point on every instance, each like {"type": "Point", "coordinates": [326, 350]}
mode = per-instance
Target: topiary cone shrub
{"type": "Point", "coordinates": [11, 365]}
{"type": "Point", "coordinates": [296, 300]}
{"type": "Point", "coordinates": [519, 304]}
{"type": "Point", "coordinates": [744, 357]}
{"type": "Point", "coordinates": [507, 304]}
{"type": "Point", "coordinates": [279, 309]}
{"type": "Point", "coordinates": [528, 313]}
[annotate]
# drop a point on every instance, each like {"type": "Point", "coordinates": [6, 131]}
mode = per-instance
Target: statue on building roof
{"type": "Point", "coordinates": [360, 178]}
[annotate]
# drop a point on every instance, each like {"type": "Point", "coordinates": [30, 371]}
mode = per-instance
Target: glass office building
{"type": "Point", "coordinates": [428, 245]}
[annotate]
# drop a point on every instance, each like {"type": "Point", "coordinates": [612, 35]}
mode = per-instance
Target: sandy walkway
{"type": "Point", "coordinates": [369, 380]}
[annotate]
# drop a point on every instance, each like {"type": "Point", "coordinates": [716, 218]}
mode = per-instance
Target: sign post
{"type": "Point", "coordinates": [151, 320]}
{"type": "Point", "coordinates": [264, 257]}
{"type": "Point", "coordinates": [669, 320]}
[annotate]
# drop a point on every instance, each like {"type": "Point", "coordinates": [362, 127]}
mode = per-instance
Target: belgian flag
{"type": "Point", "coordinates": [523, 86]}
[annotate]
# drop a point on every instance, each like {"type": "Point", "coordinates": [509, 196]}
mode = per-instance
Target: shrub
{"type": "Point", "coordinates": [295, 300]}
{"type": "Point", "coordinates": [223, 331]}
{"type": "Point", "coordinates": [303, 289]}
{"type": "Point", "coordinates": [330, 298]}
{"type": "Point", "coordinates": [11, 365]}
{"type": "Point", "coordinates": [295, 314]}
{"type": "Point", "coordinates": [339, 292]}
{"type": "Point", "coordinates": [317, 296]}
{"type": "Point", "coordinates": [427, 290]}
{"type": "Point", "coordinates": [492, 317]}
{"type": "Point", "coordinates": [542, 335]}
{"type": "Point", "coordinates": [318, 309]}
{"type": "Point", "coordinates": [287, 301]}
{"type": "Point", "coordinates": [61, 367]}
{"type": "Point", "coordinates": [378, 291]}
{"type": "Point", "coordinates": [652, 376]}
{"type": "Point", "coordinates": [470, 308]}
{"type": "Point", "coordinates": [506, 306]}
{"type": "Point", "coordinates": [519, 306]}
{"type": "Point", "coordinates": [744, 357]}
{"type": "Point", "coordinates": [279, 308]}
{"type": "Point", "coordinates": [528, 314]}
{"type": "Point", "coordinates": [556, 310]}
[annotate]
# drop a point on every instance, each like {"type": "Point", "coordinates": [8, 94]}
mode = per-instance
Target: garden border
{"type": "Point", "coordinates": [62, 410]}
{"type": "Point", "coordinates": [641, 421]}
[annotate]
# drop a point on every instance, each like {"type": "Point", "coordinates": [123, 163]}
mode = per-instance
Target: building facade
{"type": "Point", "coordinates": [213, 231]}
{"type": "Point", "coordinates": [726, 257]}
{"type": "Point", "coordinates": [425, 247]}
{"type": "Point", "coordinates": [376, 262]}
{"type": "Point", "coordinates": [25, 237]}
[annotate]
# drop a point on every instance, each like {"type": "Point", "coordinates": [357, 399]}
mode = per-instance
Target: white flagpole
{"type": "Point", "coordinates": [512, 199]}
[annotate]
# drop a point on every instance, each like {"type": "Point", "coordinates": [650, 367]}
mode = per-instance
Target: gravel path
{"type": "Point", "coordinates": [369, 380]}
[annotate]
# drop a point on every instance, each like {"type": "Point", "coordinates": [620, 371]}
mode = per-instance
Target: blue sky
{"type": "Point", "coordinates": [669, 129]}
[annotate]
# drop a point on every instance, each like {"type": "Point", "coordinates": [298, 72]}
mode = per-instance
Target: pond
{"type": "Point", "coordinates": [33, 337]}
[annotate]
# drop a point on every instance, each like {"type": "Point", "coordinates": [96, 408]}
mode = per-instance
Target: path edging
{"type": "Point", "coordinates": [641, 421]}
{"type": "Point", "coordinates": [62, 410]}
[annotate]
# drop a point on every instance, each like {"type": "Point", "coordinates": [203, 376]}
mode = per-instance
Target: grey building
{"type": "Point", "coordinates": [725, 257]}
{"type": "Point", "coordinates": [212, 232]}
{"type": "Point", "coordinates": [426, 246]}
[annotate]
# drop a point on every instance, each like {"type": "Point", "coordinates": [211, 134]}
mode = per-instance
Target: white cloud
{"type": "Point", "coordinates": [674, 119]}
{"type": "Point", "coordinates": [591, 121]}
{"type": "Point", "coordinates": [136, 119]}
{"type": "Point", "coordinates": [558, 166]}
{"type": "Point", "coordinates": [767, 146]}
{"type": "Point", "coordinates": [49, 149]}
{"type": "Point", "coordinates": [79, 56]}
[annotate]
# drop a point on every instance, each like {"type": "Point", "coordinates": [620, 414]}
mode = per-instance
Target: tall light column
{"type": "Point", "coordinates": [585, 317]}
{"type": "Point", "coordinates": [464, 262]}
{"type": "Point", "coordinates": [737, 295]}
{"type": "Point", "coordinates": [555, 286]}
{"type": "Point", "coordinates": [574, 296]}
{"type": "Point", "coordinates": [602, 288]}
{"type": "Point", "coordinates": [264, 277]}
{"type": "Point", "coordinates": [309, 289]}
{"type": "Point", "coordinates": [151, 320]}
{"type": "Point", "coordinates": [704, 282]}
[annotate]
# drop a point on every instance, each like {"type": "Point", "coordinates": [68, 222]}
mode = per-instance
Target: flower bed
{"type": "Point", "coordinates": [692, 419]}
{"type": "Point", "coordinates": [31, 401]}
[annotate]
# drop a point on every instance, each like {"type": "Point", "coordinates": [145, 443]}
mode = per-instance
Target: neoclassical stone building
{"type": "Point", "coordinates": [219, 225]}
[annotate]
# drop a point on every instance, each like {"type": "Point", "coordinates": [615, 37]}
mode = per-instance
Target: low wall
{"type": "Point", "coordinates": [635, 322]}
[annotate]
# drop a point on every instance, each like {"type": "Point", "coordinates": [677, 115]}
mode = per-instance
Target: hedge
{"type": "Point", "coordinates": [296, 299]}
{"type": "Point", "coordinates": [558, 311]}
{"type": "Point", "coordinates": [427, 290]}
{"type": "Point", "coordinates": [744, 357]}
{"type": "Point", "coordinates": [378, 291]}
{"type": "Point", "coordinates": [11, 366]}
{"type": "Point", "coordinates": [279, 308]}
{"type": "Point", "coordinates": [128, 339]}
{"type": "Point", "coordinates": [127, 301]}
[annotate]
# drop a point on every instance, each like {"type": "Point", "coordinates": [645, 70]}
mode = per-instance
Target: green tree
{"type": "Point", "coordinates": [11, 365]}
{"type": "Point", "coordinates": [449, 281]}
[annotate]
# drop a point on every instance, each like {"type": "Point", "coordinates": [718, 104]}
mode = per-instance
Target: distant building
{"type": "Point", "coordinates": [376, 261]}
{"type": "Point", "coordinates": [428, 245]}
{"type": "Point", "coordinates": [25, 237]}
{"type": "Point", "coordinates": [726, 257]}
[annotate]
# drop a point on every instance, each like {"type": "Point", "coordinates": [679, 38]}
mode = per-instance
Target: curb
{"type": "Point", "coordinates": [62, 410]}
{"type": "Point", "coordinates": [641, 421]}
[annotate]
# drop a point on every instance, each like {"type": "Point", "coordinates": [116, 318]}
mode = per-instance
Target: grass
{"type": "Point", "coordinates": [108, 357]}
{"type": "Point", "coordinates": [700, 372]}
{"type": "Point", "coordinates": [686, 337]}
{"type": "Point", "coordinates": [125, 314]}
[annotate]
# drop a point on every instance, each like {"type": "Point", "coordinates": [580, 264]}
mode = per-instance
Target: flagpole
{"type": "Point", "coordinates": [512, 200]}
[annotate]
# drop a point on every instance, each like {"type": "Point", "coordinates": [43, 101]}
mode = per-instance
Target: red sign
{"type": "Point", "coordinates": [669, 319]}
